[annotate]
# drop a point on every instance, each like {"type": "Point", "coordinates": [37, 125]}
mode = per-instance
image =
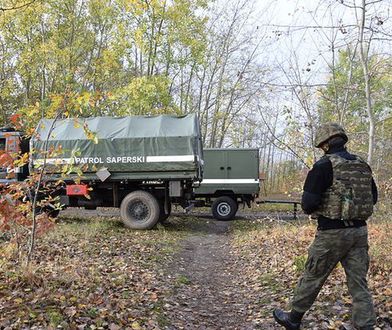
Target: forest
{"type": "Point", "coordinates": [245, 76]}
{"type": "Point", "coordinates": [258, 74]}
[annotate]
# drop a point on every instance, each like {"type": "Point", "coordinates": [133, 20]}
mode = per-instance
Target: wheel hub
{"type": "Point", "coordinates": [223, 209]}
{"type": "Point", "coordinates": [139, 210]}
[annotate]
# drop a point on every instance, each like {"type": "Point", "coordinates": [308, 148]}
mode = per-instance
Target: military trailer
{"type": "Point", "coordinates": [231, 176]}
{"type": "Point", "coordinates": [140, 164]}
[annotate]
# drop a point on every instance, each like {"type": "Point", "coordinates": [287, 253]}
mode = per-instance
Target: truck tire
{"type": "Point", "coordinates": [51, 211]}
{"type": "Point", "coordinates": [224, 208]}
{"type": "Point", "coordinates": [163, 215]}
{"type": "Point", "coordinates": [139, 210]}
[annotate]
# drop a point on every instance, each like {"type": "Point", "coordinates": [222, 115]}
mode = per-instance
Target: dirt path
{"type": "Point", "coordinates": [206, 289]}
{"type": "Point", "coordinates": [205, 283]}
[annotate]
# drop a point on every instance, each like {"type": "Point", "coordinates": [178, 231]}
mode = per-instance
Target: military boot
{"type": "Point", "coordinates": [291, 321]}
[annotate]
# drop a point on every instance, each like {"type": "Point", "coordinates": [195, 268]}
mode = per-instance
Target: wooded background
{"type": "Point", "coordinates": [254, 80]}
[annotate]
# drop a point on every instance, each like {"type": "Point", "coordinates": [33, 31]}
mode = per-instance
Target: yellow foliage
{"type": "Point", "coordinates": [139, 38]}
{"type": "Point", "coordinates": [137, 7]}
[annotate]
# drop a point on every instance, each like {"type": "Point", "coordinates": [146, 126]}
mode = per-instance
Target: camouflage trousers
{"type": "Point", "coordinates": [349, 246]}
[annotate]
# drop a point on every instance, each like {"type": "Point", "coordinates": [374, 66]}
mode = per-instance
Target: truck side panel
{"type": "Point", "coordinates": [234, 170]}
{"type": "Point", "coordinates": [129, 148]}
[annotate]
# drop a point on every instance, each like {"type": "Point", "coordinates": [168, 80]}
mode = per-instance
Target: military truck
{"type": "Point", "coordinates": [11, 143]}
{"type": "Point", "coordinates": [231, 177]}
{"type": "Point", "coordinates": [140, 164]}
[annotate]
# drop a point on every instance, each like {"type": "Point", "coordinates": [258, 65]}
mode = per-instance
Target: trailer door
{"type": "Point", "coordinates": [216, 164]}
{"type": "Point", "coordinates": [242, 164]}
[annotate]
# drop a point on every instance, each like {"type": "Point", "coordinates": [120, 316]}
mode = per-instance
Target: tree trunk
{"type": "Point", "coordinates": [364, 57]}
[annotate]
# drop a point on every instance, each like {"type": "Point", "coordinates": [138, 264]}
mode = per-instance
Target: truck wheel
{"type": "Point", "coordinates": [163, 215]}
{"type": "Point", "coordinates": [139, 210]}
{"type": "Point", "coordinates": [51, 212]}
{"type": "Point", "coordinates": [224, 208]}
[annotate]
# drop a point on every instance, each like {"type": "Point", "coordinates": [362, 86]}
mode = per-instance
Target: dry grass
{"type": "Point", "coordinates": [92, 272]}
{"type": "Point", "coordinates": [277, 251]}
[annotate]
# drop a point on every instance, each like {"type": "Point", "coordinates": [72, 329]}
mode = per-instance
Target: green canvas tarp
{"type": "Point", "coordinates": [123, 145]}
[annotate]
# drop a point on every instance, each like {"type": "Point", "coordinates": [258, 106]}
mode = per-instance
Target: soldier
{"type": "Point", "coordinates": [340, 193]}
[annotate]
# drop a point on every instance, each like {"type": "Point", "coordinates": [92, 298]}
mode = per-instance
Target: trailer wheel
{"type": "Point", "coordinates": [139, 210]}
{"type": "Point", "coordinates": [224, 208]}
{"type": "Point", "coordinates": [163, 215]}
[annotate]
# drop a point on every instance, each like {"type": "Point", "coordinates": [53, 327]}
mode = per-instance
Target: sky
{"type": "Point", "coordinates": [287, 21]}
{"type": "Point", "coordinates": [299, 42]}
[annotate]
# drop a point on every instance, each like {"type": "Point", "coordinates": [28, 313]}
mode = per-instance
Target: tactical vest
{"type": "Point", "coordinates": [350, 196]}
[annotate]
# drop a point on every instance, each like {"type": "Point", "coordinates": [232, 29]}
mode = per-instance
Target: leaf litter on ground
{"type": "Point", "coordinates": [96, 274]}
{"type": "Point", "coordinates": [88, 274]}
{"type": "Point", "coordinates": [273, 256]}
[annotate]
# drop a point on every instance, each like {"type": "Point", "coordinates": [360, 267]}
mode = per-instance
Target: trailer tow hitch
{"type": "Point", "coordinates": [189, 208]}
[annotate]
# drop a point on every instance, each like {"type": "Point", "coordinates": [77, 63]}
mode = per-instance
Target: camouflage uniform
{"type": "Point", "coordinates": [348, 201]}
{"type": "Point", "coordinates": [349, 246]}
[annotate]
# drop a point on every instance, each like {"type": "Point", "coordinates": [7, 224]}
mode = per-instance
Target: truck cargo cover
{"type": "Point", "coordinates": [122, 144]}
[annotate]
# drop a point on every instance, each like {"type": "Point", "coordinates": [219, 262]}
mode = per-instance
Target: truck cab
{"type": "Point", "coordinates": [12, 143]}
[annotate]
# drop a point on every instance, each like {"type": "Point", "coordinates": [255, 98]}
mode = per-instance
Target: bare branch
{"type": "Point", "coordinates": [280, 141]}
{"type": "Point", "coordinates": [17, 6]}
{"type": "Point", "coordinates": [384, 120]}
{"type": "Point", "coordinates": [347, 5]}
{"type": "Point", "coordinates": [305, 27]}
{"type": "Point", "coordinates": [294, 85]}
{"type": "Point", "coordinates": [373, 2]}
